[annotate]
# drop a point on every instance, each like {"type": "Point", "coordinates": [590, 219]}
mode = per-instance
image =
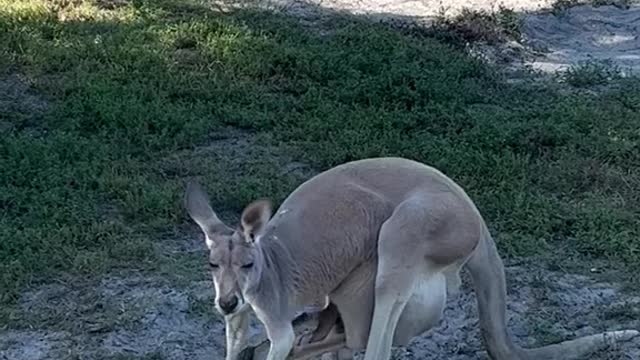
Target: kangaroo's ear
{"type": "Point", "coordinates": [196, 201]}
{"type": "Point", "coordinates": [254, 218]}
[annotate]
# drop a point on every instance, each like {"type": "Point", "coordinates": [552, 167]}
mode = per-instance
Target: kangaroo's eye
{"type": "Point", "coordinates": [213, 265]}
{"type": "Point", "coordinates": [247, 266]}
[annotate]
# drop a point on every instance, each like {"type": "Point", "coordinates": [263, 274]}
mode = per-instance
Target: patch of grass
{"type": "Point", "coordinates": [474, 25]}
{"type": "Point", "coordinates": [200, 307]}
{"type": "Point", "coordinates": [559, 7]}
{"type": "Point", "coordinates": [544, 330]}
{"type": "Point", "coordinates": [625, 311]}
{"type": "Point", "coordinates": [623, 4]}
{"type": "Point", "coordinates": [591, 73]}
{"type": "Point", "coordinates": [545, 313]}
{"type": "Point", "coordinates": [142, 95]}
{"type": "Point", "coordinates": [77, 309]}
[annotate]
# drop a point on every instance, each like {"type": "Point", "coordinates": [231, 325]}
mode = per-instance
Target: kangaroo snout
{"type": "Point", "coordinates": [228, 305]}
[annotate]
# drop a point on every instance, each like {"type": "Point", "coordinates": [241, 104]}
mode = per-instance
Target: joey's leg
{"type": "Point", "coordinates": [330, 331]}
{"type": "Point", "coordinates": [333, 342]}
{"type": "Point", "coordinates": [327, 320]}
{"type": "Point", "coordinates": [320, 329]}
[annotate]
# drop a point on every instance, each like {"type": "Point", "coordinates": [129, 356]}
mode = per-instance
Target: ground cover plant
{"type": "Point", "coordinates": [106, 107]}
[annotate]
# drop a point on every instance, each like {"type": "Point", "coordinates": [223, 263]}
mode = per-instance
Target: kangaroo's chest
{"type": "Point", "coordinates": [328, 250]}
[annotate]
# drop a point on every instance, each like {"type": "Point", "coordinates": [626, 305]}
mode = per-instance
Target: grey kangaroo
{"type": "Point", "coordinates": [383, 240]}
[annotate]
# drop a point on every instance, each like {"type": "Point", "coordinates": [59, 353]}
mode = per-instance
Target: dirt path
{"type": "Point", "coordinates": [139, 317]}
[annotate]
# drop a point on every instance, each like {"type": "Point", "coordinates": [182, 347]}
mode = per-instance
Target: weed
{"type": "Point", "coordinates": [622, 4]}
{"type": "Point", "coordinates": [203, 307]}
{"type": "Point", "coordinates": [472, 25]}
{"type": "Point", "coordinates": [561, 6]}
{"type": "Point", "coordinates": [591, 73]}
{"type": "Point", "coordinates": [630, 311]}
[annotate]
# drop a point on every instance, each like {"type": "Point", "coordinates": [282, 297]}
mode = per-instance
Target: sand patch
{"type": "Point", "coordinates": [417, 10]}
{"type": "Point", "coordinates": [585, 33]}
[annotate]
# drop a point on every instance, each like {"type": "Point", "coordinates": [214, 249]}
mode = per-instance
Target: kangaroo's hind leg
{"type": "Point", "coordinates": [426, 234]}
{"type": "Point", "coordinates": [400, 263]}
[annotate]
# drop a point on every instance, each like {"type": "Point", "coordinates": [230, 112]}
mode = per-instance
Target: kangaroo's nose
{"type": "Point", "coordinates": [228, 305]}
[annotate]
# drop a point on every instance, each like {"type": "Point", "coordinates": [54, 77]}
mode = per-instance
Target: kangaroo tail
{"type": "Point", "coordinates": [487, 271]}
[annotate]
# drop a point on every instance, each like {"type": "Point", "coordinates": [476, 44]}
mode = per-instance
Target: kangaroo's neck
{"type": "Point", "coordinates": [278, 276]}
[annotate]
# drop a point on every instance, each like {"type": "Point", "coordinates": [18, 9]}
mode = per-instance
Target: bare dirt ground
{"type": "Point", "coordinates": [131, 316]}
{"type": "Point", "coordinates": [585, 33]}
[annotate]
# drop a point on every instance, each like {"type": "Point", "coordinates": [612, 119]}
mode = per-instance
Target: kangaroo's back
{"type": "Point", "coordinates": [331, 222]}
{"type": "Point", "coordinates": [391, 178]}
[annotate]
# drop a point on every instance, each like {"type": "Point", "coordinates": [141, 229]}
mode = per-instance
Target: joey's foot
{"type": "Point", "coordinates": [247, 353]}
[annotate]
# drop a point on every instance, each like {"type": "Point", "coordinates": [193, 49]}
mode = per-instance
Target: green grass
{"type": "Point", "coordinates": [137, 93]}
{"type": "Point", "coordinates": [591, 73]}
{"type": "Point", "coordinates": [559, 7]}
{"type": "Point", "coordinates": [492, 27]}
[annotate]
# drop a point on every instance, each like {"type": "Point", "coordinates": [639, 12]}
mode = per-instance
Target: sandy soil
{"type": "Point", "coordinates": [140, 317]}
{"type": "Point", "coordinates": [586, 33]}
{"type": "Point", "coordinates": [415, 9]}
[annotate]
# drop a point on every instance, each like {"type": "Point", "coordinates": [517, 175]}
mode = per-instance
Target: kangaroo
{"type": "Point", "coordinates": [384, 240]}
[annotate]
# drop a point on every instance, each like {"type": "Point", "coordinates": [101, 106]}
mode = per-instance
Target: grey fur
{"type": "Point", "coordinates": [384, 239]}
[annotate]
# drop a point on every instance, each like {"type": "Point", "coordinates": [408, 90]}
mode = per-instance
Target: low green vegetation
{"type": "Point", "coordinates": [591, 73]}
{"type": "Point", "coordinates": [108, 106]}
{"type": "Point", "coordinates": [469, 25]}
{"type": "Point", "coordinates": [559, 7]}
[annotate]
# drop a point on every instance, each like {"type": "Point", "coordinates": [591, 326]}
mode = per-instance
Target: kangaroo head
{"type": "Point", "coordinates": [234, 256]}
